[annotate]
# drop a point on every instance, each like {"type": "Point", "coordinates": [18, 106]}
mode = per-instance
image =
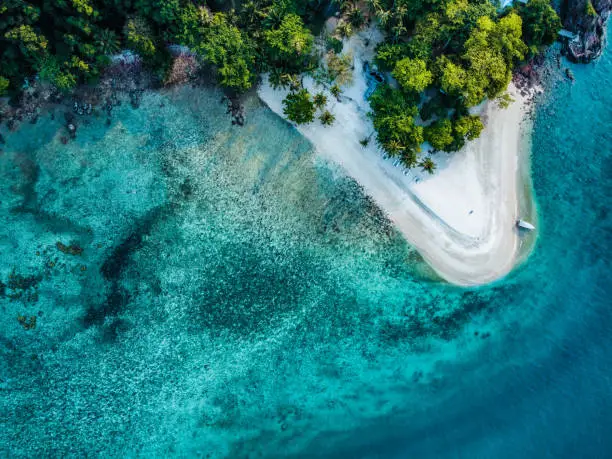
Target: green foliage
{"type": "Point", "coordinates": [4, 85]}
{"type": "Point", "coordinates": [439, 134]}
{"type": "Point", "coordinates": [459, 51]}
{"type": "Point", "coordinates": [48, 68]}
{"type": "Point", "coordinates": [427, 165]}
{"type": "Point", "coordinates": [465, 48]}
{"type": "Point", "coordinates": [31, 43]}
{"type": "Point", "coordinates": [412, 74]}
{"type": "Point", "coordinates": [280, 79]}
{"type": "Point", "coordinates": [589, 9]}
{"type": "Point", "coordinates": [320, 100]}
{"type": "Point", "coordinates": [299, 107]}
{"type": "Point", "coordinates": [453, 77]}
{"type": "Point", "coordinates": [64, 81]}
{"type": "Point", "coordinates": [139, 37]}
{"type": "Point", "coordinates": [339, 68]}
{"type": "Point", "coordinates": [393, 115]}
{"type": "Point", "coordinates": [540, 23]}
{"type": "Point", "coordinates": [289, 40]}
{"type": "Point", "coordinates": [490, 53]}
{"type": "Point", "coordinates": [335, 90]}
{"type": "Point", "coordinates": [60, 74]}
{"type": "Point", "coordinates": [433, 107]}
{"type": "Point", "coordinates": [230, 50]}
{"type": "Point", "coordinates": [327, 118]}
{"type": "Point", "coordinates": [504, 100]}
{"type": "Point", "coordinates": [468, 127]}
{"type": "Point", "coordinates": [83, 6]}
{"type": "Point", "coordinates": [387, 55]}
{"type": "Point", "coordinates": [356, 17]}
{"type": "Point", "coordinates": [107, 42]}
{"type": "Point", "coordinates": [344, 29]}
{"type": "Point", "coordinates": [333, 44]}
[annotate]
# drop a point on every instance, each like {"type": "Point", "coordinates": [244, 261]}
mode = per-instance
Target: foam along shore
{"type": "Point", "coordinates": [462, 218]}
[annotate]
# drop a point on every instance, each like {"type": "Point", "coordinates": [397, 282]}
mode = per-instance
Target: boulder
{"type": "Point", "coordinates": [587, 19]}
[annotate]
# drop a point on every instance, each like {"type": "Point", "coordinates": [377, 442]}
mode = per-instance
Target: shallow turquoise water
{"type": "Point", "coordinates": [236, 297]}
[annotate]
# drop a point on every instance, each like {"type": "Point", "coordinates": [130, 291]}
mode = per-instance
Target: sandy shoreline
{"type": "Point", "coordinates": [461, 219]}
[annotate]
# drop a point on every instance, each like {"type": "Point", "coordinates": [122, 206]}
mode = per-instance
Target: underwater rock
{"type": "Point", "coordinates": [22, 287]}
{"type": "Point", "coordinates": [135, 99]}
{"type": "Point", "coordinates": [72, 130]}
{"type": "Point", "coordinates": [236, 109]}
{"type": "Point", "coordinates": [28, 323]}
{"type": "Point", "coordinates": [72, 249]}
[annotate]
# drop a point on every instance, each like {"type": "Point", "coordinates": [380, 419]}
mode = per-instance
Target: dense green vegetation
{"type": "Point", "coordinates": [67, 42]}
{"type": "Point", "coordinates": [446, 55]}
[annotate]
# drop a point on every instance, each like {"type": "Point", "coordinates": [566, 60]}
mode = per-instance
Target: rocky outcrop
{"type": "Point", "coordinates": [587, 19]}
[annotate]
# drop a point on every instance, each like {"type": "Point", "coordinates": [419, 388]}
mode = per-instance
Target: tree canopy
{"type": "Point", "coordinates": [446, 55]}
{"type": "Point", "coordinates": [540, 24]}
{"type": "Point", "coordinates": [299, 107]}
{"type": "Point", "coordinates": [69, 42]}
{"type": "Point", "coordinates": [412, 74]}
{"type": "Point", "coordinates": [290, 40]}
{"type": "Point", "coordinates": [453, 54]}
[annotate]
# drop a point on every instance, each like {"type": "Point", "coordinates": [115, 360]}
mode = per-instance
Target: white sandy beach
{"type": "Point", "coordinates": [462, 218]}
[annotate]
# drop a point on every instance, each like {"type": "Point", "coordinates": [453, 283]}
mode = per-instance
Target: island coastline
{"type": "Point", "coordinates": [462, 218]}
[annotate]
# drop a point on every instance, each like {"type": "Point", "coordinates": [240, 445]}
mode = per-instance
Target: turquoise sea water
{"type": "Point", "coordinates": [237, 297]}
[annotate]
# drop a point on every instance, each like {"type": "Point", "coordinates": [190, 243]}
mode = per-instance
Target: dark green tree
{"type": "Point", "coordinates": [540, 24]}
{"type": "Point", "coordinates": [289, 42]}
{"type": "Point", "coordinates": [440, 134]}
{"type": "Point", "coordinates": [427, 165]}
{"type": "Point", "coordinates": [299, 107]}
{"type": "Point", "coordinates": [327, 118]}
{"type": "Point", "coordinates": [320, 100]}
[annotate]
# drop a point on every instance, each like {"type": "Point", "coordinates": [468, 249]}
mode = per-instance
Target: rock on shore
{"type": "Point", "coordinates": [587, 19]}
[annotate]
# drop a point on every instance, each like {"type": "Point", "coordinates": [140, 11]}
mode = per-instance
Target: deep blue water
{"type": "Point", "coordinates": [553, 395]}
{"type": "Point", "coordinates": [236, 297]}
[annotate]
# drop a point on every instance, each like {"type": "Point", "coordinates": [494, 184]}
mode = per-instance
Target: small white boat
{"type": "Point", "coordinates": [525, 225]}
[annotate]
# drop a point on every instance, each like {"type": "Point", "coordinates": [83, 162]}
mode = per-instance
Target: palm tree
{"type": "Point", "coordinates": [427, 165]}
{"type": "Point", "coordinates": [393, 147]}
{"type": "Point", "coordinates": [409, 158]}
{"type": "Point", "coordinates": [373, 5]}
{"type": "Point", "coordinates": [383, 17]}
{"type": "Point", "coordinates": [327, 118]}
{"type": "Point", "coordinates": [292, 80]}
{"type": "Point", "coordinates": [273, 17]}
{"type": "Point", "coordinates": [344, 29]}
{"type": "Point", "coordinates": [320, 100]}
{"type": "Point", "coordinates": [108, 42]}
{"type": "Point", "coordinates": [355, 16]}
{"type": "Point", "coordinates": [398, 30]}
{"type": "Point", "coordinates": [336, 91]}
{"type": "Point", "coordinates": [249, 13]}
{"type": "Point", "coordinates": [276, 78]}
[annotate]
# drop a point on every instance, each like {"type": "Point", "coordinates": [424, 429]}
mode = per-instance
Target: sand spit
{"type": "Point", "coordinates": [462, 218]}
